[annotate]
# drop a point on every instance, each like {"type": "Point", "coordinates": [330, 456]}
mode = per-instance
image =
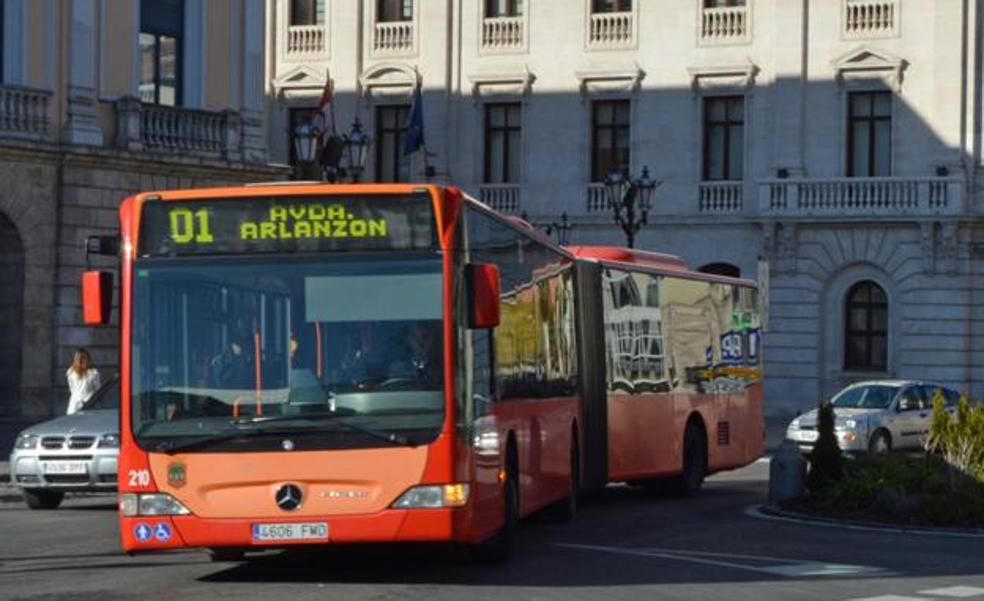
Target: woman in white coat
{"type": "Point", "coordinates": [83, 380]}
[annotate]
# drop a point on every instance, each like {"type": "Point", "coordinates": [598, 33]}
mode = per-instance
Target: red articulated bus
{"type": "Point", "coordinates": [330, 364]}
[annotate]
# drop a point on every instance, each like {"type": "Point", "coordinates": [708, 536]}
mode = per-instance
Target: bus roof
{"type": "Point", "coordinates": [644, 260]}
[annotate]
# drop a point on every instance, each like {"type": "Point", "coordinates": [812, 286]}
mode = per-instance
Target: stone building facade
{"type": "Point", "coordinates": [831, 148]}
{"type": "Point", "coordinates": [100, 99]}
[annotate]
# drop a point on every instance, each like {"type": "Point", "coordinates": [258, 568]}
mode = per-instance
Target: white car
{"type": "Point", "coordinates": [876, 416]}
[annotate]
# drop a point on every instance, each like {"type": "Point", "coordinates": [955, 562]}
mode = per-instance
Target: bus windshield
{"type": "Point", "coordinates": [223, 344]}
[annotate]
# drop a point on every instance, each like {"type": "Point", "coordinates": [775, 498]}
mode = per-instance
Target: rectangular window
{"type": "Point", "coordinates": [502, 143]}
{"type": "Point", "coordinates": [296, 117]}
{"type": "Point", "coordinates": [391, 134]}
{"type": "Point", "coordinates": [724, 138]}
{"type": "Point", "coordinates": [161, 34]}
{"type": "Point", "coordinates": [611, 6]}
{"type": "Point", "coordinates": [307, 12]}
{"type": "Point", "coordinates": [610, 128]}
{"type": "Point", "coordinates": [869, 146]}
{"type": "Point", "coordinates": [503, 8]}
{"type": "Point", "coordinates": [394, 10]}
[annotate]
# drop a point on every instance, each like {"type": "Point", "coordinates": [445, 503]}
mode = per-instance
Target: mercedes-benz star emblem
{"type": "Point", "coordinates": [288, 497]}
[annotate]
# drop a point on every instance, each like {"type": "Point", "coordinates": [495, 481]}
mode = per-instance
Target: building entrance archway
{"type": "Point", "coordinates": [11, 315]}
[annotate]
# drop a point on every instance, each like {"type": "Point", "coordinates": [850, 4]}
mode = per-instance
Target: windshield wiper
{"type": "Point", "coordinates": [312, 420]}
{"type": "Point", "coordinates": [171, 447]}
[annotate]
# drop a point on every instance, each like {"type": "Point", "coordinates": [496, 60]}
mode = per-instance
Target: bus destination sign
{"type": "Point", "coordinates": [276, 224]}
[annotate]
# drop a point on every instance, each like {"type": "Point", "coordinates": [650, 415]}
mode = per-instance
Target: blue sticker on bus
{"type": "Point", "coordinates": [162, 532]}
{"type": "Point", "coordinates": [142, 532]}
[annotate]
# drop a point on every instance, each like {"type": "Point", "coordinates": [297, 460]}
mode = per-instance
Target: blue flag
{"type": "Point", "coordinates": [415, 127]}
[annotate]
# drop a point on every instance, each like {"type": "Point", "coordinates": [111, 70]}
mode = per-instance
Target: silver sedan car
{"type": "Point", "coordinates": [876, 416]}
{"type": "Point", "coordinates": [73, 453]}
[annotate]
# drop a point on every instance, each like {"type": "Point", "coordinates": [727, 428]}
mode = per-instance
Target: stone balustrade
{"type": "Point", "coordinates": [722, 25]}
{"type": "Point", "coordinates": [206, 134]}
{"type": "Point", "coordinates": [611, 30]}
{"type": "Point", "coordinates": [503, 33]}
{"type": "Point", "coordinates": [857, 196]}
{"type": "Point", "coordinates": [24, 112]}
{"type": "Point", "coordinates": [393, 37]}
{"type": "Point", "coordinates": [870, 18]}
{"type": "Point", "coordinates": [306, 40]}
{"type": "Point", "coordinates": [503, 198]}
{"type": "Point", "coordinates": [597, 199]}
{"type": "Point", "coordinates": [720, 197]}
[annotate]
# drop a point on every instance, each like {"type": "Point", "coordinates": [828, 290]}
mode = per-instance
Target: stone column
{"type": "Point", "coordinates": [254, 83]}
{"type": "Point", "coordinates": [82, 126]}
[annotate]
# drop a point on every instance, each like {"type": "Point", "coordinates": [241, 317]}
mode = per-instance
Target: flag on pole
{"type": "Point", "coordinates": [415, 126]}
{"type": "Point", "coordinates": [322, 117]}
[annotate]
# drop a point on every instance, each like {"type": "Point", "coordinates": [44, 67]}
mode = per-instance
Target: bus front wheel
{"type": "Point", "coordinates": [689, 483]}
{"type": "Point", "coordinates": [498, 548]}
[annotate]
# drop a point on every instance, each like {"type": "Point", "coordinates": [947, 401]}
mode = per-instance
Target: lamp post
{"type": "Point", "coordinates": [630, 200]}
{"type": "Point", "coordinates": [562, 229]}
{"type": "Point", "coordinates": [335, 151]}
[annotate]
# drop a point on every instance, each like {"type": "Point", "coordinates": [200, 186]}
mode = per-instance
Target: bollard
{"type": "Point", "coordinates": [787, 472]}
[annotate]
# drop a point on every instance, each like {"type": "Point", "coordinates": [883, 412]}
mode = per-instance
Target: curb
{"type": "Point", "coordinates": [771, 512]}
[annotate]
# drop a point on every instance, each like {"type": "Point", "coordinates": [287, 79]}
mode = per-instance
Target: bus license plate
{"type": "Point", "coordinates": [295, 531]}
{"type": "Point", "coordinates": [65, 467]}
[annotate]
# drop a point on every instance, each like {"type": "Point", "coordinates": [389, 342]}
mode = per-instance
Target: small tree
{"type": "Point", "coordinates": [826, 462]}
{"type": "Point", "coordinates": [959, 439]}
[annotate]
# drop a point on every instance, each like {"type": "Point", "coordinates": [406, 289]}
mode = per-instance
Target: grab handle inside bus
{"type": "Point", "coordinates": [97, 297]}
{"type": "Point", "coordinates": [483, 295]}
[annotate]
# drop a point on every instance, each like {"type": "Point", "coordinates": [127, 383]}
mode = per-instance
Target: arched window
{"type": "Point", "coordinates": [721, 269]}
{"type": "Point", "coordinates": [866, 328]}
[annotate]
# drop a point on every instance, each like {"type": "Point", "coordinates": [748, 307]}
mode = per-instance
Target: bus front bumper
{"type": "Point", "coordinates": [146, 533]}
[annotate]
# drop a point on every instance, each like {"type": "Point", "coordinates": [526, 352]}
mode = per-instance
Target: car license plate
{"type": "Point", "coordinates": [809, 436]}
{"type": "Point", "coordinates": [65, 467]}
{"type": "Point", "coordinates": [295, 531]}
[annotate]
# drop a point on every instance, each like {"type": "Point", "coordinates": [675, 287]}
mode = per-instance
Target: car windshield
{"type": "Point", "coordinates": [219, 343]}
{"type": "Point", "coordinates": [107, 397]}
{"type": "Point", "coordinates": [875, 396]}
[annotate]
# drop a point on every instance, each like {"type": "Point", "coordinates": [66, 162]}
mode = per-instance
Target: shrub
{"type": "Point", "coordinates": [959, 439]}
{"type": "Point", "coordinates": [826, 463]}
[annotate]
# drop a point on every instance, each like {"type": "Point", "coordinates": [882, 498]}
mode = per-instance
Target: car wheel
{"type": "Point", "coordinates": [881, 442]}
{"type": "Point", "coordinates": [42, 499]}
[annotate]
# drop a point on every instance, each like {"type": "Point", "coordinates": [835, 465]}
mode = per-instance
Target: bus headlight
{"type": "Point", "coordinates": [433, 497]}
{"type": "Point", "coordinates": [132, 505]}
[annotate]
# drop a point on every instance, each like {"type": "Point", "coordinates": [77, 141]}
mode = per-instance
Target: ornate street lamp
{"type": "Point", "coordinates": [562, 229]}
{"type": "Point", "coordinates": [305, 146]}
{"type": "Point", "coordinates": [630, 200]}
{"type": "Point", "coordinates": [357, 147]}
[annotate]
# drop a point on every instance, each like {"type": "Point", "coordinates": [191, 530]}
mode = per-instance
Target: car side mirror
{"type": "Point", "coordinates": [97, 297]}
{"type": "Point", "coordinates": [483, 295]}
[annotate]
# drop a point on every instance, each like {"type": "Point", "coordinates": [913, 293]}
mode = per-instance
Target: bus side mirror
{"type": "Point", "coordinates": [483, 295]}
{"type": "Point", "coordinates": [97, 297]}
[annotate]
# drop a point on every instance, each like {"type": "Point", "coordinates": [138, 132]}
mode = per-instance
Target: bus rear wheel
{"type": "Point", "coordinates": [689, 483]}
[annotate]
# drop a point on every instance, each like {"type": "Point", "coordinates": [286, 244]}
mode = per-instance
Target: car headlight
{"type": "Point", "coordinates": [850, 424]}
{"type": "Point", "coordinates": [132, 505]}
{"type": "Point", "coordinates": [26, 441]}
{"type": "Point", "coordinates": [795, 424]}
{"type": "Point", "coordinates": [433, 497]}
{"type": "Point", "coordinates": [109, 441]}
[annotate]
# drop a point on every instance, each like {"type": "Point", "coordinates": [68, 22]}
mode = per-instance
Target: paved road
{"type": "Point", "coordinates": [624, 546]}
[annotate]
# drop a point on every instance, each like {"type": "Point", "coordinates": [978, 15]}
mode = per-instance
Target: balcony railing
{"type": "Point", "coordinates": [393, 37]}
{"type": "Point", "coordinates": [177, 130]}
{"type": "Point", "coordinates": [597, 199]}
{"type": "Point", "coordinates": [24, 112]}
{"type": "Point", "coordinates": [503, 198]}
{"type": "Point", "coordinates": [870, 18]}
{"type": "Point", "coordinates": [503, 33]}
{"type": "Point", "coordinates": [720, 197]}
{"type": "Point", "coordinates": [306, 40]}
{"type": "Point", "coordinates": [723, 25]}
{"type": "Point", "coordinates": [856, 197]}
{"type": "Point", "coordinates": [611, 30]}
